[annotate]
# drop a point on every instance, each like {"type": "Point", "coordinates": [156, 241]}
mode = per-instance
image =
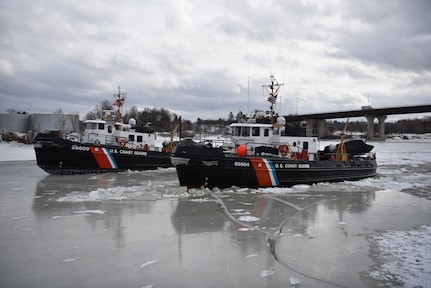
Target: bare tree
{"type": "Point", "coordinates": [74, 120]}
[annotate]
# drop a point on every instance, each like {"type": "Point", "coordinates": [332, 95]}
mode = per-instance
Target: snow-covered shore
{"type": "Point", "coordinates": [14, 151]}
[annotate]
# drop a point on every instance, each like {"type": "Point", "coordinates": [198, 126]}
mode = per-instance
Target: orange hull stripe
{"type": "Point", "coordinates": [101, 158]}
{"type": "Point", "coordinates": [262, 173]}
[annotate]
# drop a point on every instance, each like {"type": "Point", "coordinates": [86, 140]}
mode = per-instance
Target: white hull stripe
{"type": "Point", "coordinates": [271, 172]}
{"type": "Point", "coordinates": [110, 158]}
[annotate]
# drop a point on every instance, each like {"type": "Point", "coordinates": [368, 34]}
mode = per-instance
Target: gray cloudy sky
{"type": "Point", "coordinates": [207, 58]}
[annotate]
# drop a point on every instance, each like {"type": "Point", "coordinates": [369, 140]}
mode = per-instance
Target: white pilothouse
{"type": "Point", "coordinates": [110, 130]}
{"type": "Point", "coordinates": [262, 135]}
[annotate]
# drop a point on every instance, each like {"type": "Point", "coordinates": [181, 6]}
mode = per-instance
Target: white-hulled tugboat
{"type": "Point", "coordinates": [267, 152]}
{"type": "Point", "coordinates": [106, 145]}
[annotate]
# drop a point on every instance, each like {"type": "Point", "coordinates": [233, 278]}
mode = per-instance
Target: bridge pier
{"type": "Point", "coordinates": [318, 126]}
{"type": "Point", "coordinates": [366, 111]}
{"type": "Point", "coordinates": [380, 126]}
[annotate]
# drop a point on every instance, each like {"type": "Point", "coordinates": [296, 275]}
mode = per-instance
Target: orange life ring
{"type": "Point", "coordinates": [284, 149]}
{"type": "Point", "coordinates": [123, 142]}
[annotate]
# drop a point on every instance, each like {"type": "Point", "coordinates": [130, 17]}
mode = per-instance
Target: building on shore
{"type": "Point", "coordinates": [30, 124]}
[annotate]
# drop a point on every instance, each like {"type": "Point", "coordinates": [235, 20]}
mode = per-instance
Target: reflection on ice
{"type": "Point", "coordinates": [191, 216]}
{"type": "Point", "coordinates": [147, 185]}
{"type": "Point", "coordinates": [316, 235]}
{"type": "Point", "coordinates": [298, 227]}
{"type": "Point", "coordinates": [353, 234]}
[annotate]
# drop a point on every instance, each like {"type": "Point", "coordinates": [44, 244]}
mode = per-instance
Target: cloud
{"type": "Point", "coordinates": [6, 68]}
{"type": "Point", "coordinates": [392, 33]}
{"type": "Point", "coordinates": [206, 59]}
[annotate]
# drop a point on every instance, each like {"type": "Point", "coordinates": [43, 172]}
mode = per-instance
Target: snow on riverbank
{"type": "Point", "coordinates": [13, 151]}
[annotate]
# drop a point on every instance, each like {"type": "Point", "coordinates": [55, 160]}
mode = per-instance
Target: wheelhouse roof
{"type": "Point", "coordinates": [263, 125]}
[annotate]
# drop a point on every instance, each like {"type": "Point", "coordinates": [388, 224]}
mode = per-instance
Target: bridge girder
{"type": "Point", "coordinates": [361, 113]}
{"type": "Point", "coordinates": [370, 114]}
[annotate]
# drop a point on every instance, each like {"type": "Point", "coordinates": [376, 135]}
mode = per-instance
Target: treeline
{"type": "Point", "coordinates": [407, 126]}
{"type": "Point", "coordinates": [413, 126]}
{"type": "Point", "coordinates": [163, 120]}
{"type": "Point", "coordinates": [160, 119]}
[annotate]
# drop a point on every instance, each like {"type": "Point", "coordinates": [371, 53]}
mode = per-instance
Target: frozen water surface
{"type": "Point", "coordinates": [141, 229]}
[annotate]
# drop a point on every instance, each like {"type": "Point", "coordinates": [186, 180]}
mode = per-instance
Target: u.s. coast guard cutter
{"type": "Point", "coordinates": [268, 152]}
{"type": "Point", "coordinates": [106, 145]}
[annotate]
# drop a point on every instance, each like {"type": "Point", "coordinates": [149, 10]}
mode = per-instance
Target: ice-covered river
{"type": "Point", "coordinates": [141, 229]}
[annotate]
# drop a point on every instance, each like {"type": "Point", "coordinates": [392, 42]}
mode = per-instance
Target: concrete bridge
{"type": "Point", "coordinates": [318, 120]}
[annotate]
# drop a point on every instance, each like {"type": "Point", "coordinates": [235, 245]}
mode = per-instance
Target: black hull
{"type": "Point", "coordinates": [56, 155]}
{"type": "Point", "coordinates": [209, 167]}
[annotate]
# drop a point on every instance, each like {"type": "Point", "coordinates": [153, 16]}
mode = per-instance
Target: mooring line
{"type": "Point", "coordinates": [272, 239]}
{"type": "Point", "coordinates": [230, 216]}
{"type": "Point", "coordinates": [297, 208]}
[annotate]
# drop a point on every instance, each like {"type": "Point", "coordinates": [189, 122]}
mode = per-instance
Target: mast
{"type": "Point", "coordinates": [272, 90]}
{"type": "Point", "coordinates": [341, 154]}
{"type": "Point", "coordinates": [119, 102]}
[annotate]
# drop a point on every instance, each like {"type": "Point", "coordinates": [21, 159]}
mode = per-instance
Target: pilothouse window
{"type": "Point", "coordinates": [255, 131]}
{"type": "Point", "coordinates": [101, 126]}
{"type": "Point", "coordinates": [91, 126]}
{"type": "Point", "coordinates": [245, 131]}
